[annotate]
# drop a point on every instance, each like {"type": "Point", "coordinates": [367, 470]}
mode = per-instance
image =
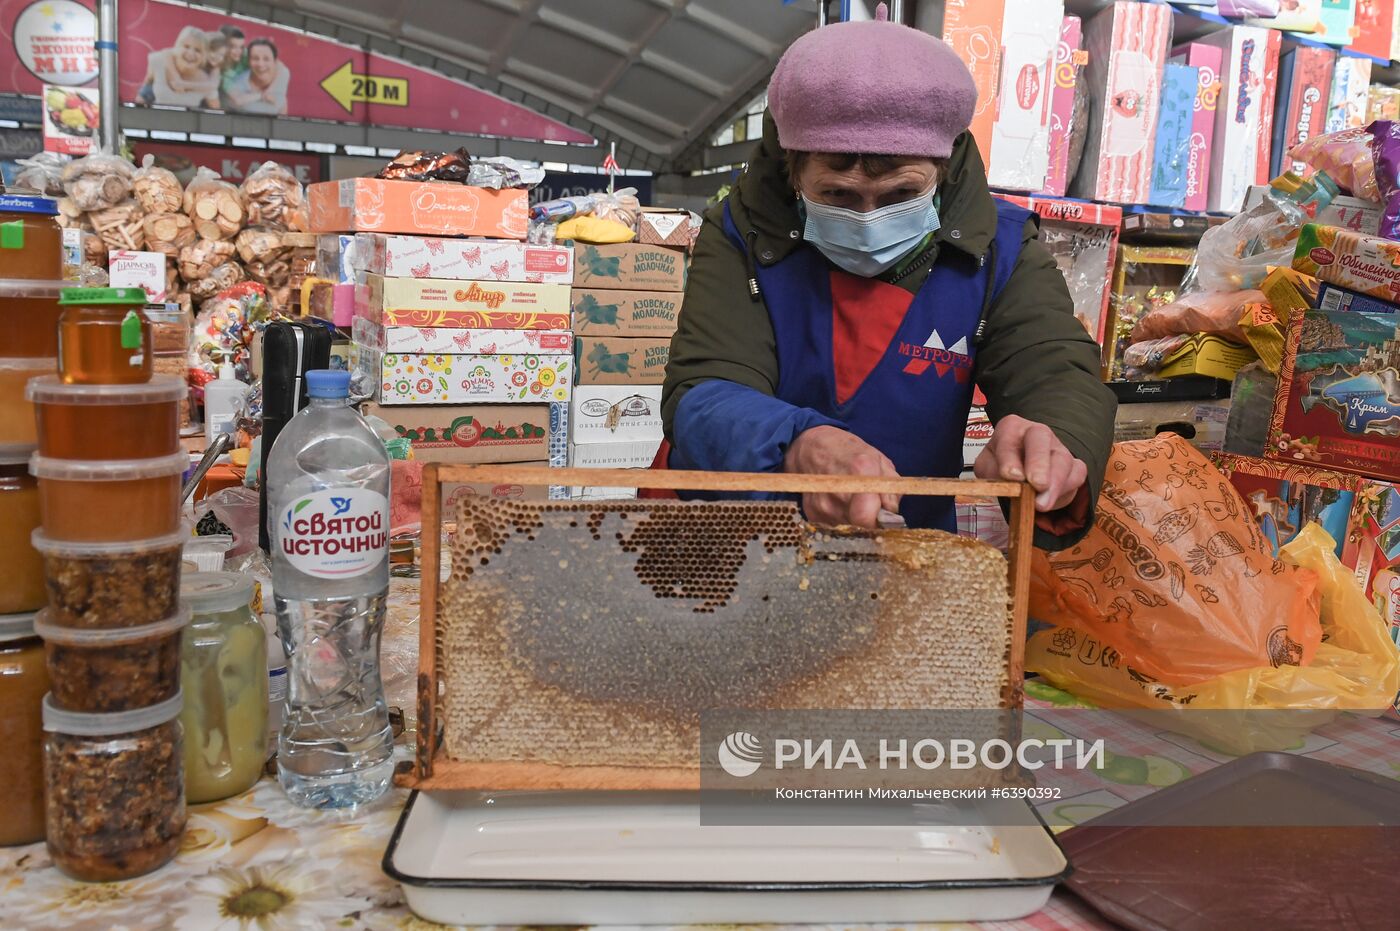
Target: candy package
{"type": "Point", "coordinates": [1345, 156]}
{"type": "Point", "coordinates": [41, 174]}
{"type": "Point", "coordinates": [500, 172]}
{"type": "Point", "coordinates": [429, 166]}
{"type": "Point", "coordinates": [224, 331]}
{"type": "Point", "coordinates": [1215, 312]}
{"type": "Point", "coordinates": [1385, 153]}
{"type": "Point", "coordinates": [1142, 360]}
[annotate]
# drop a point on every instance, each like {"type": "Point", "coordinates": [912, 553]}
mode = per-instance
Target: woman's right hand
{"type": "Point", "coordinates": [833, 451]}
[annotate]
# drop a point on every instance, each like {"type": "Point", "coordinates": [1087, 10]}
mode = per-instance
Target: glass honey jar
{"type": "Point", "coordinates": [104, 337]}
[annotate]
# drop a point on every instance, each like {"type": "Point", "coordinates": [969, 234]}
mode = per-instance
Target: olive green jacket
{"type": "Point", "coordinates": [1035, 359]}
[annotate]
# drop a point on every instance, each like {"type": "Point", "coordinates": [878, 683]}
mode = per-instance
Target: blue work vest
{"type": "Point", "coordinates": [913, 404]}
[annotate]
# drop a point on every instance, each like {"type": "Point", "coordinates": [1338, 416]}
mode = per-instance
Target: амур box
{"type": "Point", "coordinates": [1286, 497]}
{"type": "Point", "coordinates": [626, 313]}
{"type": "Point", "coordinates": [474, 433]}
{"type": "Point", "coordinates": [621, 360]}
{"type": "Point", "coordinates": [629, 266]}
{"type": "Point", "coordinates": [371, 205]}
{"type": "Point", "coordinates": [460, 341]}
{"type": "Point", "coordinates": [467, 379]}
{"type": "Point", "coordinates": [462, 259]}
{"type": "Point", "coordinates": [1338, 400]}
{"type": "Point", "coordinates": [615, 413]}
{"type": "Point", "coordinates": [434, 302]}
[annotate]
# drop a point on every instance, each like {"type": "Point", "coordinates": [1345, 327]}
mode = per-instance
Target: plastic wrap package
{"type": "Point", "coordinates": [1200, 423]}
{"type": "Point", "coordinates": [499, 172]}
{"type": "Point", "coordinates": [1239, 253]}
{"type": "Point", "coordinates": [233, 511]}
{"type": "Point", "coordinates": [1215, 312]}
{"type": "Point", "coordinates": [213, 205]}
{"type": "Point", "coordinates": [169, 233]}
{"type": "Point", "coordinates": [199, 260]}
{"type": "Point", "coordinates": [1346, 157]}
{"type": "Point", "coordinates": [98, 181]}
{"type": "Point", "coordinates": [273, 199]}
{"type": "Point", "coordinates": [564, 207]}
{"type": "Point", "coordinates": [1147, 277]}
{"type": "Point", "coordinates": [1355, 668]}
{"type": "Point", "coordinates": [1385, 153]}
{"type": "Point", "coordinates": [157, 189]}
{"type": "Point", "coordinates": [592, 229]}
{"type": "Point", "coordinates": [219, 278]}
{"type": "Point", "coordinates": [1251, 406]}
{"type": "Point", "coordinates": [120, 226]}
{"type": "Point", "coordinates": [429, 166]}
{"type": "Point", "coordinates": [1142, 359]}
{"type": "Point", "coordinates": [224, 330]}
{"type": "Point", "coordinates": [40, 174]}
{"type": "Point", "coordinates": [1175, 575]}
{"type": "Point", "coordinates": [621, 206]}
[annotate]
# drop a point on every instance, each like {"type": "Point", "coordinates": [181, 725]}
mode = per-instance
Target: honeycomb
{"type": "Point", "coordinates": [595, 633]}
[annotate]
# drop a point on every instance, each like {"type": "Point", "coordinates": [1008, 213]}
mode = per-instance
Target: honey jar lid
{"type": "Point", "coordinates": [108, 470]}
{"type": "Point", "coordinates": [16, 626]}
{"type": "Point", "coordinates": [89, 296]}
{"type": "Point", "coordinates": [91, 724]}
{"type": "Point", "coordinates": [36, 287]}
{"type": "Point", "coordinates": [28, 203]}
{"type": "Point", "coordinates": [216, 592]}
{"type": "Point", "coordinates": [15, 453]}
{"type": "Point", "coordinates": [51, 390]}
{"type": "Point", "coordinates": [103, 637]}
{"type": "Point", "coordinates": [79, 549]}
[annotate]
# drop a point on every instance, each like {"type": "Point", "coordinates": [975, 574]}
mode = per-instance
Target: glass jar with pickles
{"type": "Point", "coordinates": [104, 337]}
{"type": "Point", "coordinates": [223, 675]}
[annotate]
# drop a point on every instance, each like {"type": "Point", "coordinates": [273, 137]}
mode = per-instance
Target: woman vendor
{"type": "Point", "coordinates": [860, 279]}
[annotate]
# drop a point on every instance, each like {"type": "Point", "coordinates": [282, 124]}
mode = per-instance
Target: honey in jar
{"type": "Point", "coordinates": [103, 337]}
{"type": "Point", "coordinates": [108, 421]}
{"type": "Point", "coordinates": [104, 501]}
{"type": "Point", "coordinates": [23, 682]}
{"type": "Point", "coordinates": [21, 567]}
{"type": "Point", "coordinates": [16, 410]}
{"type": "Point", "coordinates": [29, 317]}
{"type": "Point", "coordinates": [31, 241]}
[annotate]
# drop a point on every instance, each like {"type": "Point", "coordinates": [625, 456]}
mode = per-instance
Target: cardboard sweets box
{"type": "Point", "coordinates": [1346, 104]}
{"type": "Point", "coordinates": [661, 226]}
{"type": "Point", "coordinates": [473, 433]}
{"type": "Point", "coordinates": [461, 259]}
{"type": "Point", "coordinates": [629, 266]}
{"type": "Point", "coordinates": [1206, 60]}
{"type": "Point", "coordinates": [1305, 81]}
{"type": "Point", "coordinates": [1244, 113]}
{"type": "Point", "coordinates": [370, 205]}
{"type": "Point", "coordinates": [1365, 264]}
{"type": "Point", "coordinates": [621, 360]}
{"type": "Point", "coordinates": [1372, 551]}
{"type": "Point", "coordinates": [453, 493]}
{"type": "Point", "coordinates": [1171, 154]}
{"type": "Point", "coordinates": [615, 413]}
{"type": "Point", "coordinates": [1069, 61]}
{"type": "Point", "coordinates": [466, 379]}
{"type": "Point", "coordinates": [629, 455]}
{"type": "Point", "coordinates": [1337, 406]}
{"type": "Point", "coordinates": [410, 339]}
{"type": "Point", "coordinates": [626, 313]}
{"type": "Point", "coordinates": [1286, 497]}
{"type": "Point", "coordinates": [433, 302]}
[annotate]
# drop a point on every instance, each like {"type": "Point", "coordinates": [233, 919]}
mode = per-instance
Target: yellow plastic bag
{"type": "Point", "coordinates": [594, 230]}
{"type": "Point", "coordinates": [1356, 668]}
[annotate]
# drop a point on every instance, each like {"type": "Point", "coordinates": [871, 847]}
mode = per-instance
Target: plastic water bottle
{"type": "Point", "coordinates": [328, 520]}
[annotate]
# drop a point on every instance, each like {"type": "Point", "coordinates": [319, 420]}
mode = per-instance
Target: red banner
{"type": "Point", "coordinates": [176, 56]}
{"type": "Point", "coordinates": [231, 164]}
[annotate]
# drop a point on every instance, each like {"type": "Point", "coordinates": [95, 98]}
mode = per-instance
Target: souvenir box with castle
{"type": "Point", "coordinates": [1338, 401]}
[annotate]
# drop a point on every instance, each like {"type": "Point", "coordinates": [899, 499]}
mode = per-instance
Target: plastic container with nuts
{"type": "Point", "coordinates": [109, 501]}
{"type": "Point", "coordinates": [23, 682]}
{"type": "Point", "coordinates": [114, 790]}
{"type": "Point", "coordinates": [101, 422]}
{"type": "Point", "coordinates": [21, 571]}
{"type": "Point", "coordinates": [29, 314]}
{"type": "Point", "coordinates": [100, 671]}
{"type": "Point", "coordinates": [16, 410]}
{"type": "Point", "coordinates": [111, 585]}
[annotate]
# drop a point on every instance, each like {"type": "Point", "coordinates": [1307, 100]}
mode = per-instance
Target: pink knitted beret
{"type": "Point", "coordinates": [873, 87]}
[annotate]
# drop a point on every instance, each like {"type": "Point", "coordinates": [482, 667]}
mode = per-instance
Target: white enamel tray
{"type": "Point", "coordinates": [643, 858]}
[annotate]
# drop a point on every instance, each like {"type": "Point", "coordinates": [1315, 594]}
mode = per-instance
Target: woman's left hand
{"type": "Point", "coordinates": [1022, 450]}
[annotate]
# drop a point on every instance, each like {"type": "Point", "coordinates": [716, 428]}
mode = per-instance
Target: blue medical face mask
{"type": "Point", "coordinates": [867, 244]}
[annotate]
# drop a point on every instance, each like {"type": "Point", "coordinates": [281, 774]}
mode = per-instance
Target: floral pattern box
{"type": "Point", "coordinates": [412, 378]}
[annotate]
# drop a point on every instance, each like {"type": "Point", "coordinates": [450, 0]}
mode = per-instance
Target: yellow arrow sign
{"type": "Point", "coordinates": [346, 88]}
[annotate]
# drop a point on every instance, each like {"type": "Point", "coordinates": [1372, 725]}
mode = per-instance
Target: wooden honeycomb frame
{"type": "Point", "coordinates": [432, 770]}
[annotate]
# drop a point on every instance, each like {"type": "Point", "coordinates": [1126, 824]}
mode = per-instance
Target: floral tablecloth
{"type": "Point", "coordinates": [257, 863]}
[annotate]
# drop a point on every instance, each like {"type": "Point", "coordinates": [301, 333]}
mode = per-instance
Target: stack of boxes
{"type": "Point", "coordinates": [466, 341]}
{"type": "Point", "coordinates": [626, 303]}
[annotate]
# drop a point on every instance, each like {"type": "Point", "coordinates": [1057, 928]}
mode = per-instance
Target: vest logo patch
{"type": "Point", "coordinates": [942, 359]}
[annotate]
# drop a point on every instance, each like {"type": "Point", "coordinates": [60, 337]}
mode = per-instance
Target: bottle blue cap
{"type": "Point", "coordinates": [328, 383]}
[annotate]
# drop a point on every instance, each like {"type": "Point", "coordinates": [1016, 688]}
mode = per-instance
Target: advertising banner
{"type": "Point", "coordinates": [172, 55]}
{"type": "Point", "coordinates": [70, 119]}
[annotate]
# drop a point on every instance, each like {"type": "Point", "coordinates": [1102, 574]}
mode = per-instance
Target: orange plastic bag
{"type": "Point", "coordinates": [1175, 575]}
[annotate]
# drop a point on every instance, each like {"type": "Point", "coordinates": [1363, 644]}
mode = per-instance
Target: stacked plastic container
{"type": "Point", "coordinates": [31, 264]}
{"type": "Point", "coordinates": [109, 467]}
